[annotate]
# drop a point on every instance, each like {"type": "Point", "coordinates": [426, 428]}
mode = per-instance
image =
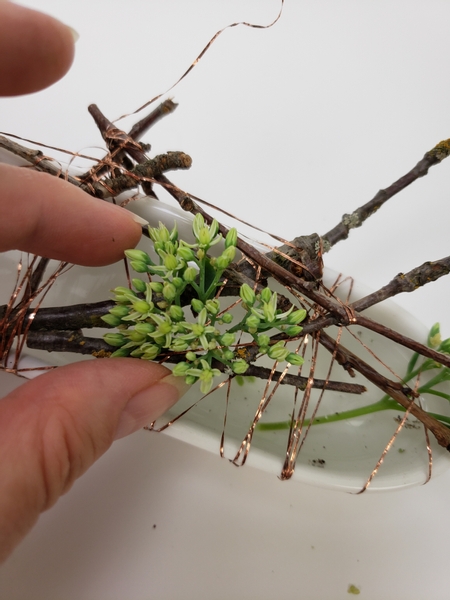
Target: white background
{"type": "Point", "coordinates": [289, 128]}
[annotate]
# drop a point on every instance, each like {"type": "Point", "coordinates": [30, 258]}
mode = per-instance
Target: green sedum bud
{"type": "Point", "coordinates": [174, 233]}
{"type": "Point", "coordinates": [159, 234]}
{"type": "Point", "coordinates": [179, 346]}
{"type": "Point", "coordinates": [239, 366]}
{"type": "Point", "coordinates": [197, 224]}
{"type": "Point", "coordinates": [212, 306]}
{"type": "Point", "coordinates": [197, 305]}
{"type": "Point", "coordinates": [252, 322]}
{"type": "Point", "coordinates": [121, 291]}
{"type": "Point", "coordinates": [266, 295]}
{"type": "Point", "coordinates": [180, 369]}
{"type": "Point", "coordinates": [139, 266]}
{"type": "Point", "coordinates": [434, 336]}
{"type": "Point", "coordinates": [170, 248]}
{"type": "Point", "coordinates": [141, 306]}
{"type": "Point", "coordinates": [144, 328]}
{"type": "Point", "coordinates": [138, 255]}
{"type": "Point", "coordinates": [263, 340]}
{"type": "Point", "coordinates": [151, 352]}
{"type": "Point", "coordinates": [170, 262]}
{"type": "Point", "coordinates": [121, 352]}
{"type": "Point", "coordinates": [204, 237]}
{"type": "Point", "coordinates": [247, 294]}
{"type": "Point", "coordinates": [139, 285]}
{"type": "Point", "coordinates": [169, 292]}
{"type": "Point", "coordinates": [111, 320]}
{"type": "Point", "coordinates": [227, 339]}
{"type": "Point", "coordinates": [185, 253]}
{"type": "Point", "coordinates": [123, 294]}
{"type": "Point", "coordinates": [119, 311]}
{"type": "Point", "coordinates": [445, 346]}
{"type": "Point", "coordinates": [190, 274]}
{"type": "Point", "coordinates": [293, 330]}
{"type": "Point", "coordinates": [231, 239]}
{"type": "Point", "coordinates": [178, 282]}
{"type": "Point", "coordinates": [278, 351]}
{"type": "Point", "coordinates": [226, 258]}
{"type": "Point", "coordinates": [296, 317]}
{"type": "Point", "coordinates": [176, 312]}
{"type": "Point", "coordinates": [227, 318]}
{"type": "Point", "coordinates": [294, 359]}
{"type": "Point", "coordinates": [137, 352]}
{"type": "Point", "coordinates": [269, 311]}
{"type": "Point", "coordinates": [214, 228]}
{"type": "Point", "coordinates": [114, 339]}
{"type": "Point", "coordinates": [163, 327]}
{"type": "Point", "coordinates": [136, 336]}
{"type": "Point", "coordinates": [156, 286]}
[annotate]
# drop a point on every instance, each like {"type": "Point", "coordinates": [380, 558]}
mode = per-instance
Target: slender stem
{"type": "Point", "coordinates": [384, 404]}
{"type": "Point", "coordinates": [348, 414]}
{"type": "Point", "coordinates": [438, 393]}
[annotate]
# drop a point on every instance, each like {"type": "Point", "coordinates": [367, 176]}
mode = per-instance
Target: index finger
{"type": "Point", "coordinates": [35, 49]}
{"type": "Point", "coordinates": [45, 215]}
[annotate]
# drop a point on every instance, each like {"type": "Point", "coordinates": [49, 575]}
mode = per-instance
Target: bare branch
{"type": "Point", "coordinates": [356, 219]}
{"type": "Point", "coordinates": [406, 282]}
{"type": "Point", "coordinates": [76, 342]}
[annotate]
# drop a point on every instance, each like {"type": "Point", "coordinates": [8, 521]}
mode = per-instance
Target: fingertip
{"type": "Point", "coordinates": [149, 404]}
{"type": "Point", "coordinates": [75, 34]}
{"type": "Point", "coordinates": [40, 49]}
{"type": "Point", "coordinates": [62, 222]}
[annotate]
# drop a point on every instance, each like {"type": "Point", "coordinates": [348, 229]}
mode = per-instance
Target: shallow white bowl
{"type": "Point", "coordinates": [339, 455]}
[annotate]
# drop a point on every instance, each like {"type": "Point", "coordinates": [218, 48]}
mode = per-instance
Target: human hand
{"type": "Point", "coordinates": [55, 426]}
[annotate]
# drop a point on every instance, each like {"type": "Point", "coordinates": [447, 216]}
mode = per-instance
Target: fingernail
{"type": "Point", "coordinates": [149, 404]}
{"type": "Point", "coordinates": [75, 34]}
{"type": "Point", "coordinates": [139, 219]}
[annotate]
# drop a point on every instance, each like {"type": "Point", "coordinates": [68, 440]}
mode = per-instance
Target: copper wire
{"type": "Point", "coordinates": [386, 450]}
{"type": "Point", "coordinates": [152, 426]}
{"type": "Point", "coordinates": [200, 56]}
{"type": "Point", "coordinates": [225, 415]}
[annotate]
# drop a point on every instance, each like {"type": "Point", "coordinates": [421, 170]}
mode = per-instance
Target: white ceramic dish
{"type": "Point", "coordinates": [340, 455]}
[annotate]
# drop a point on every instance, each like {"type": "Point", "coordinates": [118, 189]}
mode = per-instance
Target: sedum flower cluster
{"type": "Point", "coordinates": [151, 320]}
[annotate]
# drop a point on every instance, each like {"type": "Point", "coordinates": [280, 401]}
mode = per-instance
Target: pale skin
{"type": "Point", "coordinates": [54, 427]}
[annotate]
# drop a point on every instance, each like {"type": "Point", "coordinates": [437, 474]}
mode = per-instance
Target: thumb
{"type": "Point", "coordinates": [54, 427]}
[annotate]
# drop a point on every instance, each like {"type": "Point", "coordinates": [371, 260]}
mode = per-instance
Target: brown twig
{"type": "Point", "coordinates": [141, 127]}
{"type": "Point", "coordinates": [36, 159]}
{"type": "Point", "coordinates": [74, 341]}
{"type": "Point", "coordinates": [68, 341]}
{"type": "Point", "coordinates": [406, 282]}
{"type": "Point", "coordinates": [356, 219]}
{"type": "Point", "coordinates": [149, 170]}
